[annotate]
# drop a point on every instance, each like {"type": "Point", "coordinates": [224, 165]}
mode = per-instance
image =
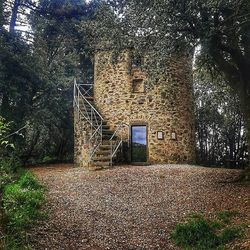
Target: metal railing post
{"type": "Point", "coordinates": [111, 154]}
{"type": "Point", "coordinates": [128, 136]}
{"type": "Point", "coordinates": [74, 94]}
{"type": "Point", "coordinates": [101, 131]}
{"type": "Point", "coordinates": [91, 118]}
{"type": "Point", "coordinates": [78, 102]}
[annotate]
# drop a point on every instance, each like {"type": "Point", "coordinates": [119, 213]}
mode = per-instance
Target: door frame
{"type": "Point", "coordinates": [137, 124]}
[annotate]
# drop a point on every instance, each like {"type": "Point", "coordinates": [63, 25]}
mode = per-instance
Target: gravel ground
{"type": "Point", "coordinates": [132, 207]}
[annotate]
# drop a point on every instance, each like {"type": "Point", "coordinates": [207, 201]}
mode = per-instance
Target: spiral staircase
{"type": "Point", "coordinates": [104, 146]}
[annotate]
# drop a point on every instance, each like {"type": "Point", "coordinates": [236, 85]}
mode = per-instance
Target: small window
{"type": "Point", "coordinates": [138, 86]}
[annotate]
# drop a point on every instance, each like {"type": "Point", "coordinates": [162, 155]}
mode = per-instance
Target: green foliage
{"type": "Point", "coordinates": [28, 181]}
{"type": "Point", "coordinates": [22, 201]}
{"type": "Point", "coordinates": [197, 233]}
{"type": "Point", "coordinates": [8, 168]}
{"type": "Point", "coordinates": [13, 243]}
{"type": "Point", "coordinates": [226, 216]}
{"type": "Point", "coordinates": [36, 79]}
{"type": "Point", "coordinates": [4, 129]}
{"type": "Point", "coordinates": [201, 233]}
{"type": "Point", "coordinates": [48, 159]}
{"type": "Point", "coordinates": [220, 128]}
{"type": "Point", "coordinates": [231, 233]}
{"type": "Point", "coordinates": [139, 153]}
{"type": "Point", "coordinates": [21, 198]}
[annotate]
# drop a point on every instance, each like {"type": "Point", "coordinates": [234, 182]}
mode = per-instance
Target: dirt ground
{"type": "Point", "coordinates": [132, 207]}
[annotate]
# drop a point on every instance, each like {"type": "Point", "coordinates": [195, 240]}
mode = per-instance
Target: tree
{"type": "Point", "coordinates": [60, 52]}
{"type": "Point", "coordinates": [220, 27]}
{"type": "Point", "coordinates": [220, 132]}
{"type": "Point", "coordinates": [36, 78]}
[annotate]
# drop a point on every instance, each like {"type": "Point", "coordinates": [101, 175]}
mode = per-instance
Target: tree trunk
{"type": "Point", "coordinates": [14, 13]}
{"type": "Point", "coordinates": [238, 76]}
{"type": "Point", "coordinates": [1, 16]}
{"type": "Point", "coordinates": [245, 108]}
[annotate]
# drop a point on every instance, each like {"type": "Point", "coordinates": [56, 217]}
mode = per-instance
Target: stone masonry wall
{"type": "Point", "coordinates": [168, 106]}
{"type": "Point", "coordinates": [81, 150]}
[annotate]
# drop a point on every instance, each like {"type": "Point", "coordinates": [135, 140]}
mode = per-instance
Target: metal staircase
{"type": "Point", "coordinates": [104, 145]}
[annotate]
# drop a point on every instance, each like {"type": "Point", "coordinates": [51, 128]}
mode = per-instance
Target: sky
{"type": "Point", "coordinates": [27, 26]}
{"type": "Point", "coordinates": [139, 134]}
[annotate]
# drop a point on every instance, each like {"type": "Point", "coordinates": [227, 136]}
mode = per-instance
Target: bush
{"type": "Point", "coordinates": [27, 180]}
{"type": "Point", "coordinates": [13, 243]}
{"type": "Point", "coordinates": [8, 168]}
{"type": "Point", "coordinates": [200, 233]}
{"type": "Point", "coordinates": [22, 201]}
{"type": "Point", "coordinates": [226, 216]}
{"type": "Point", "coordinates": [197, 233]}
{"type": "Point", "coordinates": [231, 233]}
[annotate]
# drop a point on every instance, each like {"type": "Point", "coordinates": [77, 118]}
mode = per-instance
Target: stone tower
{"type": "Point", "coordinates": [160, 118]}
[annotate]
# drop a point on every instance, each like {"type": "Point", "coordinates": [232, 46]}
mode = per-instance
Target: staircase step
{"type": "Point", "coordinates": [87, 106]}
{"type": "Point", "coordinates": [88, 109]}
{"type": "Point", "coordinates": [108, 136]}
{"type": "Point", "coordinates": [107, 132]}
{"type": "Point", "coordinates": [89, 112]}
{"type": "Point", "coordinates": [101, 163]}
{"type": "Point", "coordinates": [101, 158]}
{"type": "Point", "coordinates": [102, 152]}
{"type": "Point", "coordinates": [105, 147]}
{"type": "Point", "coordinates": [89, 98]}
{"type": "Point", "coordinates": [105, 127]}
{"type": "Point", "coordinates": [81, 102]}
{"type": "Point", "coordinates": [104, 123]}
{"type": "Point", "coordinates": [92, 167]}
{"type": "Point", "coordinates": [105, 142]}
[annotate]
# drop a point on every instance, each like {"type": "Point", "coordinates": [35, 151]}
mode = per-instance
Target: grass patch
{"type": "Point", "coordinates": [22, 198]}
{"type": "Point", "coordinates": [12, 243]}
{"type": "Point", "coordinates": [231, 233]}
{"type": "Point", "coordinates": [200, 233]}
{"type": "Point", "coordinates": [226, 215]}
{"type": "Point", "coordinates": [8, 171]}
{"type": "Point", "coordinates": [21, 206]}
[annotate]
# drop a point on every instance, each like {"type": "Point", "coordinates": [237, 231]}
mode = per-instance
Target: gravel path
{"type": "Point", "coordinates": [132, 207]}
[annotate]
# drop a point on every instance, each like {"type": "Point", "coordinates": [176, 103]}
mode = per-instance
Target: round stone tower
{"type": "Point", "coordinates": [160, 118]}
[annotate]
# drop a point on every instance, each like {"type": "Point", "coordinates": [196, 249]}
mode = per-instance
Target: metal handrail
{"type": "Point", "coordinates": [88, 101]}
{"type": "Point", "coordinates": [80, 112]}
{"type": "Point", "coordinates": [95, 132]}
{"type": "Point", "coordinates": [115, 149]}
{"type": "Point", "coordinates": [94, 119]}
{"type": "Point", "coordinates": [87, 89]}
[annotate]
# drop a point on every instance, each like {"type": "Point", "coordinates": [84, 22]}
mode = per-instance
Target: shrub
{"type": "Point", "coordinates": [226, 215]}
{"type": "Point", "coordinates": [27, 180]}
{"type": "Point", "coordinates": [13, 243]}
{"type": "Point", "coordinates": [200, 233]}
{"type": "Point", "coordinates": [8, 167]}
{"type": "Point", "coordinates": [47, 159]}
{"type": "Point", "coordinates": [22, 201]}
{"type": "Point", "coordinates": [231, 233]}
{"type": "Point", "coordinates": [197, 233]}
